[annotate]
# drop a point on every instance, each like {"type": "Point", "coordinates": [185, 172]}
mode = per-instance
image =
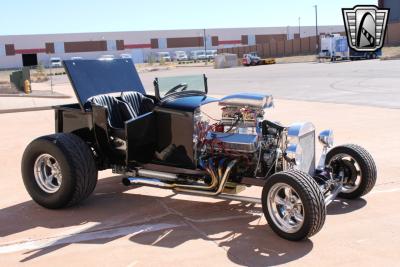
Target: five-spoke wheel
{"type": "Point", "coordinates": [293, 204]}
{"type": "Point", "coordinates": [285, 207]}
{"type": "Point", "coordinates": [47, 173]}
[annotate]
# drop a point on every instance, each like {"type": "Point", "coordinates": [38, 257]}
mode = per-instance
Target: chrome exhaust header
{"type": "Point", "coordinates": [169, 180]}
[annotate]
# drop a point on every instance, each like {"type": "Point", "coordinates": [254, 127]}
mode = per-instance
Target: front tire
{"type": "Point", "coordinates": [356, 166]}
{"type": "Point", "coordinates": [293, 205]}
{"type": "Point", "coordinates": [58, 170]}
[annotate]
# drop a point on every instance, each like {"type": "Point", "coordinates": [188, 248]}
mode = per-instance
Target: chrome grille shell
{"type": "Point", "coordinates": [303, 135]}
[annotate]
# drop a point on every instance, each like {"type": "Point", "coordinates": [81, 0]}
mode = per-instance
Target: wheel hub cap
{"type": "Point", "coordinates": [349, 170]}
{"type": "Point", "coordinates": [285, 208]}
{"type": "Point", "coordinates": [47, 173]}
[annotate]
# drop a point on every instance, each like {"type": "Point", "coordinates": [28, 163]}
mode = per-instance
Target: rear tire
{"type": "Point", "coordinates": [61, 155]}
{"type": "Point", "coordinates": [303, 208]}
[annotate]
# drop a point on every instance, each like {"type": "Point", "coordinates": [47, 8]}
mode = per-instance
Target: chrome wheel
{"type": "Point", "coordinates": [348, 169]}
{"type": "Point", "coordinates": [47, 173]}
{"type": "Point", "coordinates": [285, 207]}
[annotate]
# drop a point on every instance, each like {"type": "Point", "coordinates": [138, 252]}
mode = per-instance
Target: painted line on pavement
{"type": "Point", "coordinates": [15, 110]}
{"type": "Point", "coordinates": [392, 190]}
{"type": "Point", "coordinates": [82, 237]}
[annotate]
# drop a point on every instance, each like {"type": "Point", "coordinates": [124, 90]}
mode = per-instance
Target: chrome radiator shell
{"type": "Point", "coordinates": [303, 135]}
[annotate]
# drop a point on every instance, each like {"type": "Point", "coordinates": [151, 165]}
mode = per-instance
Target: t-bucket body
{"type": "Point", "coordinates": [168, 123]}
{"type": "Point", "coordinates": [168, 134]}
{"type": "Point", "coordinates": [173, 140]}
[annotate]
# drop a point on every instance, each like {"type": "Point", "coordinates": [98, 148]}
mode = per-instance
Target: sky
{"type": "Point", "coordinates": [72, 16]}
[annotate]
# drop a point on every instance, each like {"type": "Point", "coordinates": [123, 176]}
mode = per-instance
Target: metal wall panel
{"type": "Point", "coordinates": [2, 50]}
{"type": "Point", "coordinates": [208, 42]}
{"type": "Point", "coordinates": [251, 39]}
{"type": "Point", "coordinates": [214, 41]}
{"type": "Point", "coordinates": [10, 49]}
{"type": "Point", "coordinates": [185, 42]}
{"type": "Point", "coordinates": [111, 45]}
{"type": "Point", "coordinates": [86, 46]}
{"type": "Point", "coordinates": [162, 43]}
{"type": "Point", "coordinates": [59, 48]}
{"type": "Point", "coordinates": [49, 48]}
{"type": "Point", "coordinates": [120, 45]}
{"type": "Point", "coordinates": [245, 39]}
{"type": "Point", "coordinates": [154, 43]}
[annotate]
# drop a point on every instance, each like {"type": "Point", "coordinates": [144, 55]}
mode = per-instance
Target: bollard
{"type": "Point", "coordinates": [27, 87]}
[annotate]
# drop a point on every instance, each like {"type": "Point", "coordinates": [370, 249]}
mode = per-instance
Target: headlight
{"type": "Point", "coordinates": [294, 153]}
{"type": "Point", "coordinates": [326, 138]}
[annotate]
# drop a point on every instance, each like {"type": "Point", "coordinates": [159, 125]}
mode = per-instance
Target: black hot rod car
{"type": "Point", "coordinates": [169, 141]}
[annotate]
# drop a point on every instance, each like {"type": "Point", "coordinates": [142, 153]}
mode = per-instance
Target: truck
{"type": "Point", "coordinates": [335, 46]}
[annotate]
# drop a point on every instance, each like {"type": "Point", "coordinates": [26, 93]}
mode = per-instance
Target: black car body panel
{"type": "Point", "coordinates": [167, 128]}
{"type": "Point", "coordinates": [187, 103]}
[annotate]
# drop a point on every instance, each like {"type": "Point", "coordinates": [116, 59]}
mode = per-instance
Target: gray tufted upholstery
{"type": "Point", "coordinates": [139, 103]}
{"type": "Point", "coordinates": [117, 111]}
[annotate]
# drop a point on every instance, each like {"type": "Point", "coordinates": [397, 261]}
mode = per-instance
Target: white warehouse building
{"type": "Point", "coordinates": [27, 50]}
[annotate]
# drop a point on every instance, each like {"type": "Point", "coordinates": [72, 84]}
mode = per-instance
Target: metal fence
{"type": "Point", "coordinates": [300, 46]}
{"type": "Point", "coordinates": [277, 48]}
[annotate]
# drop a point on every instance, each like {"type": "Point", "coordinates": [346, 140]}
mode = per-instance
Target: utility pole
{"type": "Point", "coordinates": [205, 45]}
{"type": "Point", "coordinates": [316, 28]}
{"type": "Point", "coordinates": [299, 28]}
{"type": "Point", "coordinates": [287, 32]}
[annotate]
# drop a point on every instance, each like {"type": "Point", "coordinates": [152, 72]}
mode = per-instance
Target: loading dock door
{"type": "Point", "coordinates": [29, 60]}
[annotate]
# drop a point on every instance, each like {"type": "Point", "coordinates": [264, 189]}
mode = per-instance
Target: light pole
{"type": "Point", "coordinates": [299, 28]}
{"type": "Point", "coordinates": [287, 32]}
{"type": "Point", "coordinates": [316, 28]}
{"type": "Point", "coordinates": [205, 45]}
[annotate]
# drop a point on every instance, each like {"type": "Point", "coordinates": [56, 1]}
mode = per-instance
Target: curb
{"type": "Point", "coordinates": [14, 110]}
{"type": "Point", "coordinates": [35, 96]}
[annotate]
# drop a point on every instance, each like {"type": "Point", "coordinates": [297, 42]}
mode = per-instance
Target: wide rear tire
{"type": "Point", "coordinates": [58, 170]}
{"type": "Point", "coordinates": [293, 205]}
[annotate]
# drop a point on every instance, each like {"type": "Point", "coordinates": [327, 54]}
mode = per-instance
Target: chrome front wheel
{"type": "Point", "coordinates": [355, 167]}
{"type": "Point", "coordinates": [348, 169]}
{"type": "Point", "coordinates": [285, 207]}
{"type": "Point", "coordinates": [293, 205]}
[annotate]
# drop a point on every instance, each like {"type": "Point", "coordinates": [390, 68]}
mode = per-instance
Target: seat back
{"type": "Point", "coordinates": [117, 111]}
{"type": "Point", "coordinates": [139, 103]}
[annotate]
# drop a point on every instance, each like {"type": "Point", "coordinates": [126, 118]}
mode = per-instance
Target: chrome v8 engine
{"type": "Point", "coordinates": [239, 128]}
{"type": "Point", "coordinates": [263, 146]}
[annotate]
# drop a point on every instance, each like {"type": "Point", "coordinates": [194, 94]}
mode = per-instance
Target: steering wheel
{"type": "Point", "coordinates": [183, 87]}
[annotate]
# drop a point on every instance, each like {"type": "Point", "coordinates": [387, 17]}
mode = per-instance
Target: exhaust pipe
{"type": "Point", "coordinates": [221, 186]}
{"type": "Point", "coordinates": [162, 180]}
{"type": "Point", "coordinates": [158, 175]}
{"type": "Point", "coordinates": [146, 181]}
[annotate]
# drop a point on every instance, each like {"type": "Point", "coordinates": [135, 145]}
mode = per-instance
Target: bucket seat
{"type": "Point", "coordinates": [139, 103]}
{"type": "Point", "coordinates": [117, 113]}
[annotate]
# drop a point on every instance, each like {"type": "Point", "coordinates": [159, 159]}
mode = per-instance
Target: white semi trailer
{"type": "Point", "coordinates": [334, 47]}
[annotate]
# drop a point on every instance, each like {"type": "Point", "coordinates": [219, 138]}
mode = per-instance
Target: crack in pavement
{"type": "Point", "coordinates": [190, 222]}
